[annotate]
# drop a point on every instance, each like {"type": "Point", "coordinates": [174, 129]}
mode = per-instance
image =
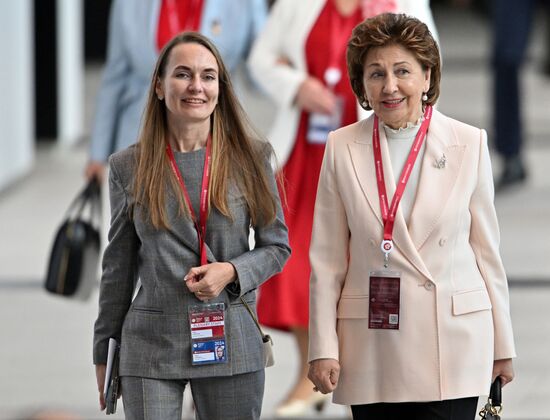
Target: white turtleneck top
{"type": "Point", "coordinates": [399, 146]}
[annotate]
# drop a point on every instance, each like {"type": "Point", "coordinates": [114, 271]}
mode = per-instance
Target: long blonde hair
{"type": "Point", "coordinates": [238, 154]}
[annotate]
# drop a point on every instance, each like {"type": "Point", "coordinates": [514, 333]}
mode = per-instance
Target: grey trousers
{"type": "Point", "coordinates": [237, 397]}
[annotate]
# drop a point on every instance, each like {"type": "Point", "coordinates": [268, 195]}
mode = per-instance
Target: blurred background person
{"type": "Point", "coordinates": [183, 200]}
{"type": "Point", "coordinates": [431, 256]}
{"type": "Point", "coordinates": [299, 60]}
{"type": "Point", "coordinates": [138, 29]}
{"type": "Point", "coordinates": [512, 25]}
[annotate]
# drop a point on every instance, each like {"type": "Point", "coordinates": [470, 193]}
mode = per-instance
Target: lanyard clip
{"type": "Point", "coordinates": [386, 246]}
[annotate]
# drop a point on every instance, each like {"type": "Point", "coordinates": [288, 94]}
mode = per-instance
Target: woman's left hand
{"type": "Point", "coordinates": [208, 281]}
{"type": "Point", "coordinates": [324, 374]}
{"type": "Point", "coordinates": [505, 369]}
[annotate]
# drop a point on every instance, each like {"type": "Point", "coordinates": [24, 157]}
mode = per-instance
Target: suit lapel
{"type": "Point", "coordinates": [184, 229]}
{"type": "Point", "coordinates": [362, 158]}
{"type": "Point", "coordinates": [361, 154]}
{"type": "Point", "coordinates": [435, 183]}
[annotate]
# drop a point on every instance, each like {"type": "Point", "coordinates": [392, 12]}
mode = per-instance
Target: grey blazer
{"type": "Point", "coordinates": [154, 328]}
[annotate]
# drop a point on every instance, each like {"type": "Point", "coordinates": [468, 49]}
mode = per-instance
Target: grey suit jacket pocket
{"type": "Point", "coordinates": [147, 310]}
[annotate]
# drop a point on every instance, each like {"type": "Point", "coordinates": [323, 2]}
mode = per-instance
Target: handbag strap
{"type": "Point", "coordinates": [496, 392]}
{"type": "Point", "coordinates": [492, 409]}
{"type": "Point", "coordinates": [91, 193]}
{"type": "Point", "coordinates": [265, 337]}
{"type": "Point", "coordinates": [95, 198]}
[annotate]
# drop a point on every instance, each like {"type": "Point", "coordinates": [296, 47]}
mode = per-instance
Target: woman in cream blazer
{"type": "Point", "coordinates": [287, 61]}
{"type": "Point", "coordinates": [455, 334]}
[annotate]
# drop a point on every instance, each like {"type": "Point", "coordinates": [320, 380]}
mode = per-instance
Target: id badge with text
{"type": "Point", "coordinates": [207, 326]}
{"type": "Point", "coordinates": [209, 351]}
{"type": "Point", "coordinates": [319, 125]}
{"type": "Point", "coordinates": [384, 299]}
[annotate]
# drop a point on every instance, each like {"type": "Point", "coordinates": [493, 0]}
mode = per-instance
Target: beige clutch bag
{"type": "Point", "coordinates": [266, 338]}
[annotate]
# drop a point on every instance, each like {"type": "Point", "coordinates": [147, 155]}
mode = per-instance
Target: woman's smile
{"type": "Point", "coordinates": [392, 103]}
{"type": "Point", "coordinates": [194, 101]}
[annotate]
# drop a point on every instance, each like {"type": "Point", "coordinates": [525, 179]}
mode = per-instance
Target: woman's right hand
{"type": "Point", "coordinates": [95, 169]}
{"type": "Point", "coordinates": [207, 281]}
{"type": "Point", "coordinates": [324, 374]}
{"type": "Point", "coordinates": [100, 378]}
{"type": "Point", "coordinates": [313, 96]}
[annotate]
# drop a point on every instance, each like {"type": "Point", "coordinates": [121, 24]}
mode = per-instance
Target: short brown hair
{"type": "Point", "coordinates": [393, 29]}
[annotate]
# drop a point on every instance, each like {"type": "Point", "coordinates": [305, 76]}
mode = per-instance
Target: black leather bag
{"type": "Point", "coordinates": [74, 258]}
{"type": "Point", "coordinates": [491, 410]}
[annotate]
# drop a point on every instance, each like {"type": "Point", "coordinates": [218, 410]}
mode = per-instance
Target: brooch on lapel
{"type": "Point", "coordinates": [441, 162]}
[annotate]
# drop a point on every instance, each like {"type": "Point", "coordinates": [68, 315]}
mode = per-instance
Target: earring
{"type": "Point", "coordinates": [160, 98]}
{"type": "Point", "coordinates": [424, 97]}
{"type": "Point", "coordinates": [365, 103]}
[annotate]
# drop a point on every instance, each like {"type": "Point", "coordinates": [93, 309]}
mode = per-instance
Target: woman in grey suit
{"type": "Point", "coordinates": [183, 201]}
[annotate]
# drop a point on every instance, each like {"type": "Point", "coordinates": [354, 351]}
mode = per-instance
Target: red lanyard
{"type": "Point", "coordinates": [200, 224]}
{"type": "Point", "coordinates": [339, 34]}
{"type": "Point", "coordinates": [388, 212]}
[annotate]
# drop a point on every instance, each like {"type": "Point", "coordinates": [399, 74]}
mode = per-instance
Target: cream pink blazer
{"type": "Point", "coordinates": [455, 318]}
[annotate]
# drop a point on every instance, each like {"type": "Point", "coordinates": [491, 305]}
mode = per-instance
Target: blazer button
{"type": "Point", "coordinates": [442, 241]}
{"type": "Point", "coordinates": [428, 285]}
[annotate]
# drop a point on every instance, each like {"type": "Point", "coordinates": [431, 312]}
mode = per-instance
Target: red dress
{"type": "Point", "coordinates": [284, 299]}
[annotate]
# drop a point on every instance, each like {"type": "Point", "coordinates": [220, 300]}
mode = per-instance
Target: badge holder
{"type": "Point", "coordinates": [384, 295]}
{"type": "Point", "coordinates": [207, 326]}
{"type": "Point", "coordinates": [319, 125]}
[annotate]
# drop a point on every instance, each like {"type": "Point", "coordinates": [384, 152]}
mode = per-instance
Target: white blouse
{"type": "Point", "coordinates": [399, 145]}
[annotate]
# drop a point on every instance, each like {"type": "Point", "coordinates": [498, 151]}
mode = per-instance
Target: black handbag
{"type": "Point", "coordinates": [73, 266]}
{"type": "Point", "coordinates": [491, 410]}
